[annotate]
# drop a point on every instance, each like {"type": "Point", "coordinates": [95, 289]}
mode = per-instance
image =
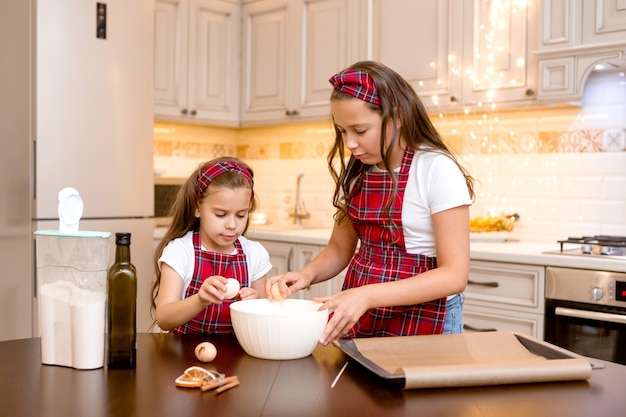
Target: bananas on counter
{"type": "Point", "coordinates": [482, 224]}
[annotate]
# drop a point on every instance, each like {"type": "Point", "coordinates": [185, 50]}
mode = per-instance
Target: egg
{"type": "Point", "coordinates": [232, 288]}
{"type": "Point", "coordinates": [206, 352]}
{"type": "Point", "coordinates": [275, 291]}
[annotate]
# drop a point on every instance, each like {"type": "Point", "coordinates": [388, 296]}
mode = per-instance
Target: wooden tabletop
{"type": "Point", "coordinates": [300, 387]}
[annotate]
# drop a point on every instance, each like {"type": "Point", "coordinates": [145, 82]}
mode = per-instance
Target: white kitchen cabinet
{"type": "Point", "coordinates": [604, 21]}
{"type": "Point", "coordinates": [483, 319]}
{"type": "Point", "coordinates": [286, 256]}
{"type": "Point", "coordinates": [560, 24]}
{"type": "Point", "coordinates": [575, 36]}
{"type": "Point", "coordinates": [505, 297]}
{"type": "Point", "coordinates": [302, 256]}
{"type": "Point", "coordinates": [290, 49]}
{"type": "Point", "coordinates": [582, 24]}
{"type": "Point", "coordinates": [577, 23]}
{"type": "Point", "coordinates": [280, 256]}
{"type": "Point", "coordinates": [499, 65]}
{"type": "Point", "coordinates": [420, 40]}
{"type": "Point", "coordinates": [456, 53]}
{"type": "Point", "coordinates": [197, 61]}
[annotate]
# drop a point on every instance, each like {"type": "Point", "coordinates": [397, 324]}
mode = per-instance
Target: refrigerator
{"type": "Point", "coordinates": [80, 114]}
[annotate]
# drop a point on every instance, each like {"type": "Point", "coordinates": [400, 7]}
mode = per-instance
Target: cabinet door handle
{"type": "Point", "coordinates": [492, 284]}
{"type": "Point", "coordinates": [289, 255]}
{"type": "Point", "coordinates": [193, 112]}
{"type": "Point", "coordinates": [184, 111]}
{"type": "Point", "coordinates": [476, 329]}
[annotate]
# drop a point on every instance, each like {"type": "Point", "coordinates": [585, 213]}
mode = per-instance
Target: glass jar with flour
{"type": "Point", "coordinates": [72, 268]}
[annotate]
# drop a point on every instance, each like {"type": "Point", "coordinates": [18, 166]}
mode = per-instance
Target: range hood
{"type": "Point", "coordinates": [603, 105]}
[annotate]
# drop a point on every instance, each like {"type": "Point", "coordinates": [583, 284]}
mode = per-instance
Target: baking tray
{"type": "Point", "coordinates": [559, 364]}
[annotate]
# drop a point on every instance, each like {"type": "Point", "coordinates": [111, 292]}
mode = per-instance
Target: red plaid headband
{"type": "Point", "coordinates": [357, 83]}
{"type": "Point", "coordinates": [213, 171]}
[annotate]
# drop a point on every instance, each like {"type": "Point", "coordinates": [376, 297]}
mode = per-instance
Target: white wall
{"type": "Point", "coordinates": [556, 195]}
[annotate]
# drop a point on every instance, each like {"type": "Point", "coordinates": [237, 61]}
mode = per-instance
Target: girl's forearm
{"type": "Point", "coordinates": [335, 256]}
{"type": "Point", "coordinates": [326, 265]}
{"type": "Point", "coordinates": [431, 285]}
{"type": "Point", "coordinates": [177, 313]}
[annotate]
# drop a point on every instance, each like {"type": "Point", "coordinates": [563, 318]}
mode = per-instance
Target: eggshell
{"type": "Point", "coordinates": [232, 288]}
{"type": "Point", "coordinates": [206, 352]}
{"type": "Point", "coordinates": [275, 291]}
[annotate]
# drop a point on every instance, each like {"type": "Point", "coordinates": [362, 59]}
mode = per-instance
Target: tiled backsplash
{"type": "Point", "coordinates": [562, 169]}
{"type": "Point", "coordinates": [557, 195]}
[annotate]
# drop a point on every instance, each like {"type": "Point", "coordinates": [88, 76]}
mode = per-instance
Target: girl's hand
{"type": "Point", "coordinates": [288, 283]}
{"type": "Point", "coordinates": [212, 290]}
{"type": "Point", "coordinates": [347, 307]}
{"type": "Point", "coordinates": [247, 293]}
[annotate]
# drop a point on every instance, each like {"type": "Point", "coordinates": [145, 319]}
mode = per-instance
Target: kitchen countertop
{"type": "Point", "coordinates": [291, 234]}
{"type": "Point", "coordinates": [532, 253]}
{"type": "Point", "coordinates": [513, 251]}
{"type": "Point", "coordinates": [300, 387]}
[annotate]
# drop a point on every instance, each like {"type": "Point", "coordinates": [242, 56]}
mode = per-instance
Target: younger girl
{"type": "Point", "coordinates": [204, 246]}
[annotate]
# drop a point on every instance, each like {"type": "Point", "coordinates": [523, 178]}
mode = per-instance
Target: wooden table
{"type": "Point", "coordinates": [273, 388]}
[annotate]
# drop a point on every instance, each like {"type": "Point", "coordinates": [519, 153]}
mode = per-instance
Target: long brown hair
{"type": "Point", "coordinates": [398, 102]}
{"type": "Point", "coordinates": [183, 211]}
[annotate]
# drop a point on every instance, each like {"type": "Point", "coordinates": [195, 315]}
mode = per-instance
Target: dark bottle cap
{"type": "Point", "coordinates": [122, 238]}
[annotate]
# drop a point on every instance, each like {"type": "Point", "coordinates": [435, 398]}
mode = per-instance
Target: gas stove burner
{"type": "Point", "coordinates": [619, 241]}
{"type": "Point", "coordinates": [598, 240]}
{"type": "Point", "coordinates": [601, 245]}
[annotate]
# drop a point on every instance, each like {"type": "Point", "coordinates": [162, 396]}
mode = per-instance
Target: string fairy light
{"type": "Point", "coordinates": [489, 71]}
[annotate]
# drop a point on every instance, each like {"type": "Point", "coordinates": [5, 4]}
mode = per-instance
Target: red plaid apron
{"type": "Point", "coordinates": [382, 257]}
{"type": "Point", "coordinates": [216, 317]}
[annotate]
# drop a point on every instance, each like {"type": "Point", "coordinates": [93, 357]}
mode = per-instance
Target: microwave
{"type": "Point", "coordinates": [165, 190]}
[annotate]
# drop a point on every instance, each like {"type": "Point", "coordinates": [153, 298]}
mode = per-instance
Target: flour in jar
{"type": "Point", "coordinates": [72, 322]}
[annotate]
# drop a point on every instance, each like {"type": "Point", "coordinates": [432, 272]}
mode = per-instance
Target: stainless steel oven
{"type": "Point", "coordinates": [585, 312]}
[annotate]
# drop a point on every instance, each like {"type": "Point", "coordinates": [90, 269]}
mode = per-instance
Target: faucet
{"type": "Point", "coordinates": [299, 210]}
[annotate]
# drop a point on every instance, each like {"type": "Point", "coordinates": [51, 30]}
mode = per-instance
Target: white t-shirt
{"type": "Point", "coordinates": [179, 255]}
{"type": "Point", "coordinates": [435, 184]}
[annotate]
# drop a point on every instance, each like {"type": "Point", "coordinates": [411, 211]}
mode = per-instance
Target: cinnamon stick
{"type": "Point", "coordinates": [207, 386]}
{"type": "Point", "coordinates": [227, 386]}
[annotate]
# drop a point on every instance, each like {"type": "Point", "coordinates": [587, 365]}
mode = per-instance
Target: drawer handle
{"type": "Point", "coordinates": [476, 329]}
{"type": "Point", "coordinates": [484, 284]}
{"type": "Point", "coordinates": [289, 259]}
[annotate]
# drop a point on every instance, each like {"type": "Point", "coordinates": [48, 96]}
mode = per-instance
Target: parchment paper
{"type": "Point", "coordinates": [469, 359]}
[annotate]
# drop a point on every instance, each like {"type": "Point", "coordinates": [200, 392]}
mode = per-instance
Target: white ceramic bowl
{"type": "Point", "coordinates": [284, 329]}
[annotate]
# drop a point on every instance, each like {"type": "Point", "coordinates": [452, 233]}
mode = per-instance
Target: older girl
{"type": "Point", "coordinates": [403, 196]}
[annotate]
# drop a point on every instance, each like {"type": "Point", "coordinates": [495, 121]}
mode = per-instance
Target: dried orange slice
{"type": "Point", "coordinates": [193, 377]}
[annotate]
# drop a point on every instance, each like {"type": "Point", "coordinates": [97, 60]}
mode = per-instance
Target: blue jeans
{"type": "Point", "coordinates": [454, 315]}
